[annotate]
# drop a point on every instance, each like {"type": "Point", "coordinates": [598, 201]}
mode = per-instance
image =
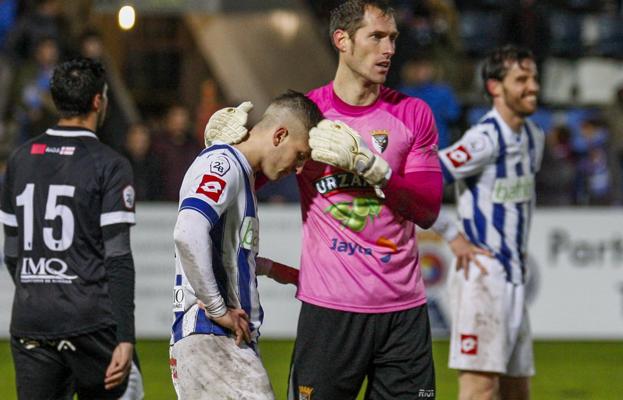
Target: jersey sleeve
{"type": "Point", "coordinates": [118, 194]}
{"type": "Point", "coordinates": [7, 211]}
{"type": "Point", "coordinates": [210, 186]}
{"type": "Point", "coordinates": [423, 153]}
{"type": "Point", "coordinates": [539, 138]}
{"type": "Point", "coordinates": [468, 156]}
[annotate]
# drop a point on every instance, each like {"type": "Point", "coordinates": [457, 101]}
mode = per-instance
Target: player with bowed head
{"type": "Point", "coordinates": [214, 343]}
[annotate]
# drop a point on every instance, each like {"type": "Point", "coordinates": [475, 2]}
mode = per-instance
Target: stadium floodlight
{"type": "Point", "coordinates": [126, 17]}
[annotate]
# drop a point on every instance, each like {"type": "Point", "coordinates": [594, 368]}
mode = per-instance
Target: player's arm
{"type": "Point", "coordinates": [10, 250]}
{"type": "Point", "coordinates": [416, 196]}
{"type": "Point", "coordinates": [468, 156]}
{"type": "Point", "coordinates": [9, 220]}
{"type": "Point", "coordinates": [116, 218]}
{"type": "Point", "coordinates": [194, 248]}
{"type": "Point", "coordinates": [121, 278]}
{"type": "Point", "coordinates": [279, 272]}
{"type": "Point", "coordinates": [119, 265]}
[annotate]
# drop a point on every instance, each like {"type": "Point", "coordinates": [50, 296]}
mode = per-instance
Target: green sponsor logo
{"type": "Point", "coordinates": [250, 234]}
{"type": "Point", "coordinates": [355, 214]}
{"type": "Point", "coordinates": [513, 190]}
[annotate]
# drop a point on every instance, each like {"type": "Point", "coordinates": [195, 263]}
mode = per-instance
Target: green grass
{"type": "Point", "coordinates": [565, 370]}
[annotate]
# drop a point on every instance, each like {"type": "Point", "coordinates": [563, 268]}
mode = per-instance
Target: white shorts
{"type": "Point", "coordinates": [490, 327]}
{"type": "Point", "coordinates": [210, 367]}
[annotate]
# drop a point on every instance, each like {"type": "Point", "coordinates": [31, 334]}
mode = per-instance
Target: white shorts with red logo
{"type": "Point", "coordinates": [490, 327]}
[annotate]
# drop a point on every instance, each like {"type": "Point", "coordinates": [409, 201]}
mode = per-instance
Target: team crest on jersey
{"type": "Point", "coordinates": [469, 344]}
{"type": "Point", "coordinates": [477, 145]}
{"type": "Point", "coordinates": [220, 166]}
{"type": "Point", "coordinates": [459, 156]}
{"type": "Point", "coordinates": [305, 392]}
{"type": "Point", "coordinates": [128, 197]}
{"type": "Point", "coordinates": [380, 139]}
{"type": "Point", "coordinates": [212, 187]}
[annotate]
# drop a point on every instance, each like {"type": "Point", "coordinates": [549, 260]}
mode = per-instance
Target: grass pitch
{"type": "Point", "coordinates": [565, 370]}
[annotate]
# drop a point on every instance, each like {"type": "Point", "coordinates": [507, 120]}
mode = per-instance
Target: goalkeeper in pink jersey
{"type": "Point", "coordinates": [375, 175]}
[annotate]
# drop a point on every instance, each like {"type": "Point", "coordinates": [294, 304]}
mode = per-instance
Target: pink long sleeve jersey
{"type": "Point", "coordinates": [358, 254]}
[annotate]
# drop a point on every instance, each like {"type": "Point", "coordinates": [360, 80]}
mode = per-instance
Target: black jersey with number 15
{"type": "Point", "coordinates": [60, 189]}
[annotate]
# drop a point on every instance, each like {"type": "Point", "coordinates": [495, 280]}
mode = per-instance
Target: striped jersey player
{"type": "Point", "coordinates": [214, 353]}
{"type": "Point", "coordinates": [494, 170]}
{"type": "Point", "coordinates": [219, 186]}
{"type": "Point", "coordinates": [493, 167]}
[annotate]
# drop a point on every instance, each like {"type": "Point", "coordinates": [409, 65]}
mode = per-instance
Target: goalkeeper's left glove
{"type": "Point", "coordinates": [337, 144]}
{"type": "Point", "coordinates": [227, 125]}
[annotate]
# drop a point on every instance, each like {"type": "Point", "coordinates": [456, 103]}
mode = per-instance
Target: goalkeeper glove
{"type": "Point", "coordinates": [227, 125]}
{"type": "Point", "coordinates": [337, 144]}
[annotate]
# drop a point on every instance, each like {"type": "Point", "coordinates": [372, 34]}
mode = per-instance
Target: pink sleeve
{"type": "Point", "coordinates": [423, 153]}
{"type": "Point", "coordinates": [416, 196]}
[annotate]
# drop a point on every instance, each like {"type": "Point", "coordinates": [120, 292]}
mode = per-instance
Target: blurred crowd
{"type": "Point", "coordinates": [437, 57]}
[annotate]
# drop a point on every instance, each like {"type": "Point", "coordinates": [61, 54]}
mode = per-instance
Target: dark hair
{"type": "Point", "coordinates": [499, 61]}
{"type": "Point", "coordinates": [74, 84]}
{"type": "Point", "coordinates": [308, 112]}
{"type": "Point", "coordinates": [348, 16]}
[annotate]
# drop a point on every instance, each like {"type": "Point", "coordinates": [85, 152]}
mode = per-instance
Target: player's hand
{"type": "Point", "coordinates": [227, 125]}
{"type": "Point", "coordinates": [120, 365]}
{"type": "Point", "coordinates": [237, 321]}
{"type": "Point", "coordinates": [337, 144]}
{"type": "Point", "coordinates": [466, 252]}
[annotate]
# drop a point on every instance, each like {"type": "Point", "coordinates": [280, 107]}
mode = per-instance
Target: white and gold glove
{"type": "Point", "coordinates": [337, 144]}
{"type": "Point", "coordinates": [227, 125]}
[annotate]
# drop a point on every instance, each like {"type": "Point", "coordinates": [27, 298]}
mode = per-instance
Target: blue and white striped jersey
{"type": "Point", "coordinates": [494, 169]}
{"type": "Point", "coordinates": [219, 187]}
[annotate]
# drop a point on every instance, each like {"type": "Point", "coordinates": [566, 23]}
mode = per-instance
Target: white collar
{"type": "Point", "coordinates": [71, 133]}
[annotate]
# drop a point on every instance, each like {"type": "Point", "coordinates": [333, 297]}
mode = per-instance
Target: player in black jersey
{"type": "Point", "coordinates": [67, 206]}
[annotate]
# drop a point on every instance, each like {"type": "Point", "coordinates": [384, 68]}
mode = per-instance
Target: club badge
{"type": "Point", "coordinates": [380, 139]}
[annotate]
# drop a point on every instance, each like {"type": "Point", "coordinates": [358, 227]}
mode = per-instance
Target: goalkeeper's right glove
{"type": "Point", "coordinates": [339, 145]}
{"type": "Point", "coordinates": [227, 125]}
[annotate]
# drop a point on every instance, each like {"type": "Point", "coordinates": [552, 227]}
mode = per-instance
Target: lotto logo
{"type": "Point", "coordinates": [173, 366]}
{"type": "Point", "coordinates": [459, 156]}
{"type": "Point", "coordinates": [212, 187]}
{"type": "Point", "coordinates": [469, 345]}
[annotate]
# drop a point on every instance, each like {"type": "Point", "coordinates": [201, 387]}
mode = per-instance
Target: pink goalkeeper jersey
{"type": "Point", "coordinates": [358, 255]}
